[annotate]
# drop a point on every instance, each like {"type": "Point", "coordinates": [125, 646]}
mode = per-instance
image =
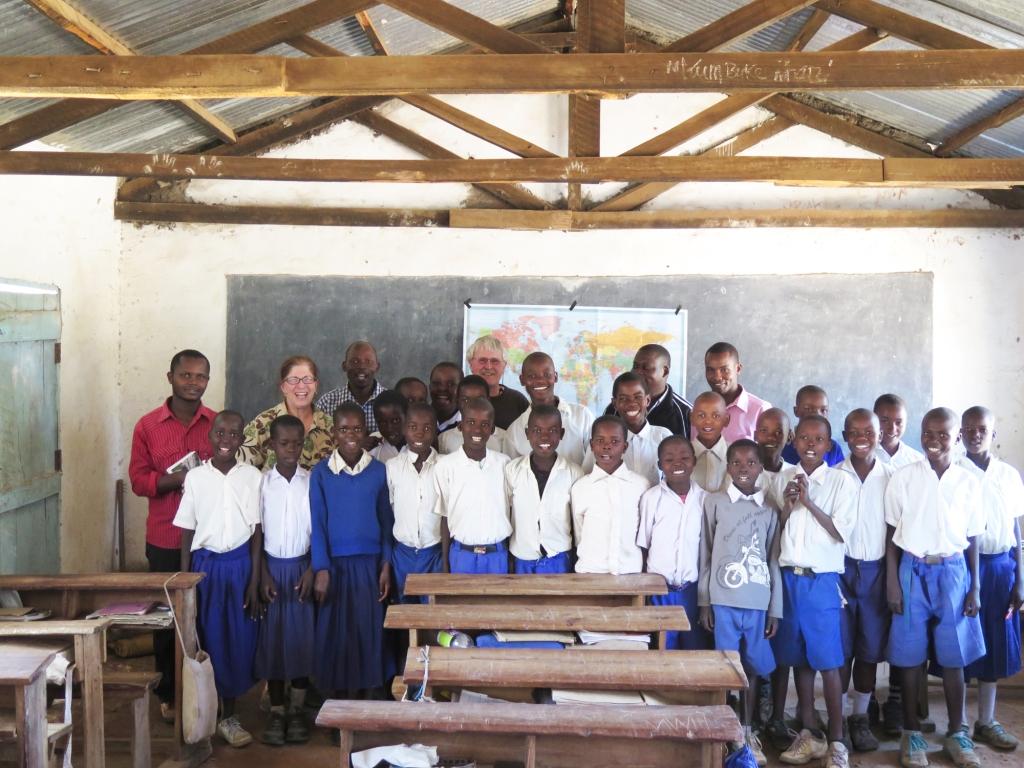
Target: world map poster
{"type": "Point", "coordinates": [590, 345]}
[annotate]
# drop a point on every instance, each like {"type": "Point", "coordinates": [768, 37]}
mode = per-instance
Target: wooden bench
{"type": "Point", "coordinates": [136, 687]}
{"type": "Point", "coordinates": [559, 618]}
{"type": "Point", "coordinates": [681, 677]}
{"type": "Point", "coordinates": [563, 736]}
{"type": "Point", "coordinates": [536, 589]}
{"type": "Point", "coordinates": [24, 671]}
{"type": "Point", "coordinates": [72, 595]}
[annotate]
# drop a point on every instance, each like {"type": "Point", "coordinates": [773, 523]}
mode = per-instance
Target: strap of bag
{"type": "Point", "coordinates": [174, 617]}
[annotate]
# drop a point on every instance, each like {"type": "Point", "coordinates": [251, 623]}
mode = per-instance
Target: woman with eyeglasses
{"type": "Point", "coordinates": [298, 384]}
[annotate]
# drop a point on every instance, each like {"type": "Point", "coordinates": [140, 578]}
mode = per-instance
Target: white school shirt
{"type": "Point", "coordinates": [709, 473]}
{"type": "Point", "coordinates": [1002, 502]}
{"type": "Point", "coordinates": [383, 451]}
{"type": "Point", "coordinates": [413, 498]}
{"type": "Point", "coordinates": [867, 539]}
{"type": "Point", "coordinates": [904, 455]}
{"type": "Point", "coordinates": [471, 494]}
{"type": "Point", "coordinates": [805, 543]}
{"type": "Point", "coordinates": [933, 516]}
{"type": "Point", "coordinates": [767, 481]}
{"type": "Point", "coordinates": [577, 421]}
{"type": "Point", "coordinates": [670, 532]}
{"type": "Point", "coordinates": [641, 454]}
{"type": "Point", "coordinates": [451, 441]}
{"type": "Point", "coordinates": [540, 521]}
{"type": "Point", "coordinates": [284, 513]}
{"type": "Point", "coordinates": [223, 510]}
{"type": "Point", "coordinates": [605, 517]}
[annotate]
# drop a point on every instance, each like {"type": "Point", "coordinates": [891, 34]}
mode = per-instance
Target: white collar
{"type": "Point", "coordinates": [735, 494]}
{"type": "Point", "coordinates": [718, 448]}
{"type": "Point", "coordinates": [411, 456]}
{"type": "Point", "coordinates": [275, 475]}
{"type": "Point", "coordinates": [337, 465]}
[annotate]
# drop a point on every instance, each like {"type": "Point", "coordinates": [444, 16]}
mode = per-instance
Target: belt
{"type": "Point", "coordinates": [480, 549]}
{"type": "Point", "coordinates": [800, 571]}
{"type": "Point", "coordinates": [937, 559]}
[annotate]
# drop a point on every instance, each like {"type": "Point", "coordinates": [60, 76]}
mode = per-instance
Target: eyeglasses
{"type": "Point", "coordinates": [293, 380]}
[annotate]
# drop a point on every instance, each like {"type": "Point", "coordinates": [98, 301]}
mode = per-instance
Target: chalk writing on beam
{"type": "Point", "coordinates": [730, 72]}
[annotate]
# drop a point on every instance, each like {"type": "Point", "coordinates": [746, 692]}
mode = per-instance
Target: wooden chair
{"type": "Point", "coordinates": [136, 687]}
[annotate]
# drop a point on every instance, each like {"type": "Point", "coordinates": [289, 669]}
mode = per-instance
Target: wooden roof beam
{"type": "Point", "coordinates": [913, 29]}
{"type": "Point", "coordinates": [465, 26]}
{"type": "Point", "coordinates": [734, 26]}
{"type": "Point", "coordinates": [1010, 112]}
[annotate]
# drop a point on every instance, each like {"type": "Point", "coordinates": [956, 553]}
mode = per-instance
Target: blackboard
{"type": "Point", "coordinates": [855, 335]}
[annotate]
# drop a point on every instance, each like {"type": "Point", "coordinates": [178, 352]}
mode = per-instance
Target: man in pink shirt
{"type": "Point", "coordinates": [722, 368]}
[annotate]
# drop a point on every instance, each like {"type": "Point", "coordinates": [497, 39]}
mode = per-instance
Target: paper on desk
{"type": "Point", "coordinates": [405, 755]}
{"type": "Point", "coordinates": [513, 636]}
{"type": "Point", "coordinates": [562, 696]}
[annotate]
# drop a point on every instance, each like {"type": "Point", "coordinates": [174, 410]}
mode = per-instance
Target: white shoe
{"type": "Point", "coordinates": [233, 733]}
{"type": "Point", "coordinates": [805, 748]}
{"type": "Point", "coordinates": [838, 756]}
{"type": "Point", "coordinates": [755, 747]}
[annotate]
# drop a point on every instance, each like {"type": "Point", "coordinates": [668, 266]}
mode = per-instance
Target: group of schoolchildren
{"type": "Point", "coordinates": [776, 544]}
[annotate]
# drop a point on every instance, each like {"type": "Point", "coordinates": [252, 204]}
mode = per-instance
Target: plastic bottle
{"type": "Point", "coordinates": [454, 639]}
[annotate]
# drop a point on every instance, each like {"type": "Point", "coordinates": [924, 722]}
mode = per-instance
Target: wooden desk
{"type": "Point", "coordinates": [90, 642]}
{"type": "Point", "coordinates": [559, 618]}
{"type": "Point", "coordinates": [24, 670]}
{"type": "Point", "coordinates": [536, 589]}
{"type": "Point", "coordinates": [70, 595]}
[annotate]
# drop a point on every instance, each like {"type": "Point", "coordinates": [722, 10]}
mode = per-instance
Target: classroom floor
{"type": "Point", "coordinates": [1010, 711]}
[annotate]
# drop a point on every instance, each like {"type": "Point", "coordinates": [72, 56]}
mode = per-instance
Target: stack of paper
{"type": "Point", "coordinates": [23, 614]}
{"type": "Point", "coordinates": [613, 641]}
{"type": "Point", "coordinates": [624, 698]}
{"type": "Point", "coordinates": [521, 636]}
{"type": "Point", "coordinates": [141, 614]}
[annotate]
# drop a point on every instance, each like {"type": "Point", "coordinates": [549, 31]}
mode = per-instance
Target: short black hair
{"type": "Point", "coordinates": [421, 407]}
{"type": "Point", "coordinates": [386, 398]}
{"type": "Point", "coordinates": [723, 348]}
{"type": "Point", "coordinates": [655, 349]}
{"type": "Point", "coordinates": [946, 414]}
{"type": "Point", "coordinates": [407, 380]}
{"type": "Point", "coordinates": [859, 413]}
{"type": "Point", "coordinates": [447, 364]}
{"type": "Point", "coordinates": [629, 377]}
{"type": "Point", "coordinates": [227, 413]}
{"type": "Point", "coordinates": [349, 408]}
{"type": "Point", "coordinates": [473, 381]}
{"type": "Point", "coordinates": [361, 343]}
{"type": "Point", "coordinates": [192, 354]}
{"type": "Point", "coordinates": [815, 418]}
{"type": "Point", "coordinates": [979, 412]}
{"type": "Point", "coordinates": [737, 445]}
{"type": "Point", "coordinates": [478, 404]}
{"type": "Point", "coordinates": [534, 357]}
{"type": "Point", "coordinates": [672, 440]}
{"type": "Point", "coordinates": [810, 389]}
{"type": "Point", "coordinates": [889, 399]}
{"type": "Point", "coordinates": [543, 410]}
{"type": "Point", "coordinates": [609, 419]}
{"type": "Point", "coordinates": [286, 421]}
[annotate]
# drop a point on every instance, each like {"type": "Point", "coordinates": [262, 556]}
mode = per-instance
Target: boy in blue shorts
{"type": "Point", "coordinates": [1000, 571]}
{"type": "Point", "coordinates": [740, 590]}
{"type": "Point", "coordinates": [817, 516]}
{"type": "Point", "coordinates": [933, 513]}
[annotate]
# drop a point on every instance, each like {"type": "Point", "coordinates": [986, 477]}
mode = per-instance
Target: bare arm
{"type": "Point", "coordinates": [186, 549]}
{"type": "Point", "coordinates": [893, 588]}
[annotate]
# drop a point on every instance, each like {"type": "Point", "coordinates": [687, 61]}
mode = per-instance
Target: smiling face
{"type": "Point", "coordinates": [812, 443]}
{"type": "Point", "coordinates": [360, 366]}
{"type": "Point", "coordinates": [420, 430]}
{"type": "Point", "coordinates": [708, 418]}
{"type": "Point", "coordinates": [892, 422]}
{"type": "Point", "coordinates": [939, 434]}
{"type": "Point", "coordinates": [771, 435]}
{"type": "Point", "coordinates": [544, 433]}
{"type": "Point", "coordinates": [391, 423]}
{"type": "Point", "coordinates": [630, 402]}
{"type": "Point", "coordinates": [539, 378]}
{"type": "Point", "coordinates": [977, 432]}
{"type": "Point", "coordinates": [444, 381]}
{"type": "Point", "coordinates": [654, 368]}
{"type": "Point", "coordinates": [744, 467]}
{"type": "Point", "coordinates": [477, 426]}
{"type": "Point", "coordinates": [676, 461]}
{"type": "Point", "coordinates": [861, 435]}
{"type": "Point", "coordinates": [348, 432]}
{"type": "Point", "coordinates": [298, 387]}
{"type": "Point", "coordinates": [722, 372]}
{"type": "Point", "coordinates": [286, 443]}
{"type": "Point", "coordinates": [226, 437]}
{"type": "Point", "coordinates": [189, 379]}
{"type": "Point", "coordinates": [608, 443]}
{"type": "Point", "coordinates": [488, 364]}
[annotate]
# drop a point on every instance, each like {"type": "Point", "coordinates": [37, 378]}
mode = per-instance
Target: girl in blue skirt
{"type": "Point", "coordinates": [351, 545]}
{"type": "Point", "coordinates": [284, 650]}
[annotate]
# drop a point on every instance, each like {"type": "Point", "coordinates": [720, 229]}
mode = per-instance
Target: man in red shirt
{"type": "Point", "coordinates": [163, 436]}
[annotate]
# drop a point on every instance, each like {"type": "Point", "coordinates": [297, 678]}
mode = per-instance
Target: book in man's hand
{"type": "Point", "coordinates": [190, 460]}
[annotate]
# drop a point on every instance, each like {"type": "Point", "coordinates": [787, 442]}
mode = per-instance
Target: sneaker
{"type": "Point", "coordinates": [995, 736]}
{"type": "Point", "coordinates": [961, 749]}
{"type": "Point", "coordinates": [273, 734]}
{"type": "Point", "coordinates": [298, 729]}
{"type": "Point", "coordinates": [913, 750]}
{"type": "Point", "coordinates": [166, 712]}
{"type": "Point", "coordinates": [927, 725]}
{"type": "Point", "coordinates": [806, 747]}
{"type": "Point", "coordinates": [779, 734]}
{"type": "Point", "coordinates": [233, 733]}
{"type": "Point", "coordinates": [838, 756]}
{"type": "Point", "coordinates": [892, 716]}
{"type": "Point", "coordinates": [755, 747]}
{"type": "Point", "coordinates": [861, 737]}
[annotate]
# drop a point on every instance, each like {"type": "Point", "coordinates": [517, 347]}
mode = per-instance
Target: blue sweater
{"type": "Point", "coordinates": [351, 514]}
{"type": "Point", "coordinates": [832, 458]}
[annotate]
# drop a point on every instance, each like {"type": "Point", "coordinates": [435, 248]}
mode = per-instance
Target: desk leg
{"type": "Point", "coordinates": [346, 748]}
{"type": "Point", "coordinates": [30, 714]}
{"type": "Point", "coordinates": [89, 658]}
{"type": "Point", "coordinates": [710, 755]}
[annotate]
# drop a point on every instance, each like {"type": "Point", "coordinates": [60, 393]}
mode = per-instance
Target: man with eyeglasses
{"type": "Point", "coordinates": [161, 439]}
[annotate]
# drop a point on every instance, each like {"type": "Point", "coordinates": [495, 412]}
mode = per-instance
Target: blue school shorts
{"type": "Point", "coordinates": [406, 560]}
{"type": "Point", "coordinates": [684, 596]}
{"type": "Point", "coordinates": [742, 629]}
{"type": "Point", "coordinates": [996, 576]}
{"type": "Point", "coordinates": [553, 564]}
{"type": "Point", "coordinates": [809, 633]}
{"type": "Point", "coordinates": [933, 610]}
{"type": "Point", "coordinates": [865, 619]}
{"type": "Point", "coordinates": [462, 558]}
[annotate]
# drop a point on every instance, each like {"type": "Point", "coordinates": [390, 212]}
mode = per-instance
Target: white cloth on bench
{"type": "Point", "coordinates": [405, 755]}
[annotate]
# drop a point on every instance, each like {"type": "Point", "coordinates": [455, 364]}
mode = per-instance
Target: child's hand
{"type": "Point", "coordinates": [803, 490]}
{"type": "Point", "coordinates": [1016, 598]}
{"type": "Point", "coordinates": [384, 583]}
{"type": "Point", "coordinates": [791, 494]}
{"type": "Point", "coordinates": [268, 589]}
{"type": "Point", "coordinates": [305, 585]}
{"type": "Point", "coordinates": [252, 605]}
{"type": "Point", "coordinates": [894, 595]}
{"type": "Point", "coordinates": [320, 584]}
{"type": "Point", "coordinates": [707, 619]}
{"type": "Point", "coordinates": [771, 626]}
{"type": "Point", "coordinates": [971, 603]}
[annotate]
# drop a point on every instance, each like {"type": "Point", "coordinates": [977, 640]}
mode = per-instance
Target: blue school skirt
{"type": "Point", "coordinates": [406, 560]}
{"type": "Point", "coordinates": [284, 650]}
{"type": "Point", "coordinates": [697, 639]}
{"type": "Point", "coordinates": [552, 564]}
{"type": "Point", "coordinates": [350, 628]}
{"type": "Point", "coordinates": [225, 632]}
{"type": "Point", "coordinates": [996, 577]}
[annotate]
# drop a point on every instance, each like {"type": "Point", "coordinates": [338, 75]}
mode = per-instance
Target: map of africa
{"type": "Point", "coordinates": [590, 345]}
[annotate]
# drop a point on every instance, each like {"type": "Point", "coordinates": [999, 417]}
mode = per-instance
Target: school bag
{"type": "Point", "coordinates": [198, 687]}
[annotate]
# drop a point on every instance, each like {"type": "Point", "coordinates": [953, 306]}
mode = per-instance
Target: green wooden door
{"type": "Point", "coordinates": [29, 454]}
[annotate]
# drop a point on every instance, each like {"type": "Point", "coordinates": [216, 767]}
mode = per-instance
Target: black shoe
{"type": "Point", "coordinates": [779, 734]}
{"type": "Point", "coordinates": [298, 730]}
{"type": "Point", "coordinates": [273, 734]}
{"type": "Point", "coordinates": [892, 716]}
{"type": "Point", "coordinates": [927, 725]}
{"type": "Point", "coordinates": [874, 712]}
{"type": "Point", "coordinates": [861, 737]}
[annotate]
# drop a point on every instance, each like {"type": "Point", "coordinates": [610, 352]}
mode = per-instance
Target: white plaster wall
{"type": "Point", "coordinates": [61, 231]}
